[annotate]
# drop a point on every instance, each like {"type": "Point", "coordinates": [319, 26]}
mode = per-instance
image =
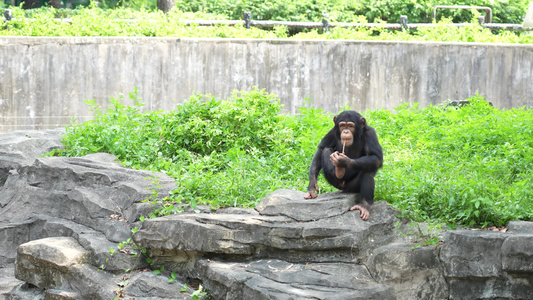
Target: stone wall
{"type": "Point", "coordinates": [44, 80]}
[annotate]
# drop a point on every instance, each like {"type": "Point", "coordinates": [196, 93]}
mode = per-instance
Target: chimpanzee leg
{"type": "Point", "coordinates": [329, 169]}
{"type": "Point", "coordinates": [364, 184]}
{"type": "Point", "coordinates": [367, 188]}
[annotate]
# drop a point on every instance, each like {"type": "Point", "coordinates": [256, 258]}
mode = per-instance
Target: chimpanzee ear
{"type": "Point", "coordinates": [363, 122]}
{"type": "Point", "coordinates": [335, 119]}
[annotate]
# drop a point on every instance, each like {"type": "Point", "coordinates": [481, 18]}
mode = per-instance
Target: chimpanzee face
{"type": "Point", "coordinates": [347, 130]}
{"type": "Point", "coordinates": [349, 127]}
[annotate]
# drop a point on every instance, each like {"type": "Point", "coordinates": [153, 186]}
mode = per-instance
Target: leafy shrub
{"type": "Point", "coordinates": [503, 11]}
{"type": "Point", "coordinates": [218, 126]}
{"type": "Point", "coordinates": [274, 10]}
{"type": "Point", "coordinates": [222, 153]}
{"type": "Point", "coordinates": [94, 21]}
{"type": "Point", "coordinates": [443, 31]}
{"type": "Point", "coordinates": [468, 166]}
{"type": "Point", "coordinates": [464, 166]}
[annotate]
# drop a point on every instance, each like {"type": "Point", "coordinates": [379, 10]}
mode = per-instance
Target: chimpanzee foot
{"type": "Point", "coordinates": [365, 211]}
{"type": "Point", "coordinates": [339, 172]}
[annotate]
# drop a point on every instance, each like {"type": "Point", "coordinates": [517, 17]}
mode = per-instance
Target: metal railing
{"type": "Point", "coordinates": [247, 22]}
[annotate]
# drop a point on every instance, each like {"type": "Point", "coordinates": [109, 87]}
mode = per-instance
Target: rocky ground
{"type": "Point", "coordinates": [59, 218]}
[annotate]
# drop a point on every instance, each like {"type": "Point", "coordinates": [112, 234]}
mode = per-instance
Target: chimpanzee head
{"type": "Point", "coordinates": [349, 127]}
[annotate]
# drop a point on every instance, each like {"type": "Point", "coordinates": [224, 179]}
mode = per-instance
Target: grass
{"type": "Point", "coordinates": [469, 165]}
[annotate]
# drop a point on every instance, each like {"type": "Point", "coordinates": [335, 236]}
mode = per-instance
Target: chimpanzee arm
{"type": "Point", "coordinates": [374, 153]}
{"type": "Point", "coordinates": [372, 159]}
{"type": "Point", "coordinates": [316, 165]}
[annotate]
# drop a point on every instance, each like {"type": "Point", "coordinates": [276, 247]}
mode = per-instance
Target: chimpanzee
{"type": "Point", "coordinates": [350, 156]}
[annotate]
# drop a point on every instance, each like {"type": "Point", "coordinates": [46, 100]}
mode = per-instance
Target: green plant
{"type": "Point", "coordinates": [443, 31]}
{"type": "Point", "coordinates": [95, 21]}
{"type": "Point", "coordinates": [158, 271]}
{"type": "Point", "coordinates": [504, 11]}
{"type": "Point", "coordinates": [149, 261]}
{"type": "Point", "coordinates": [164, 205]}
{"type": "Point", "coordinates": [464, 165]}
{"type": "Point", "coordinates": [467, 165]}
{"type": "Point", "coordinates": [243, 146]}
{"type": "Point", "coordinates": [430, 235]}
{"type": "Point", "coordinates": [172, 277]}
{"type": "Point", "coordinates": [111, 253]}
{"type": "Point", "coordinates": [301, 10]}
{"type": "Point", "coordinates": [199, 294]}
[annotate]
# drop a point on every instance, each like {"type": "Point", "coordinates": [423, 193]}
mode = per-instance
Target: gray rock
{"type": "Point", "coordinates": [8, 282]}
{"type": "Point", "coordinates": [468, 253]}
{"type": "Point", "coordinates": [413, 273]}
{"type": "Point", "coordinates": [52, 294]}
{"type": "Point", "coordinates": [20, 148]}
{"type": "Point", "coordinates": [93, 241]}
{"type": "Point", "coordinates": [277, 279]}
{"type": "Point", "coordinates": [520, 227]}
{"type": "Point", "coordinates": [89, 201]}
{"type": "Point", "coordinates": [498, 288]}
{"type": "Point", "coordinates": [11, 236]}
{"type": "Point", "coordinates": [275, 231]}
{"type": "Point", "coordinates": [24, 146]}
{"type": "Point", "coordinates": [333, 237]}
{"type": "Point", "coordinates": [517, 254]}
{"type": "Point", "coordinates": [24, 291]}
{"type": "Point", "coordinates": [88, 192]}
{"type": "Point", "coordinates": [92, 283]}
{"type": "Point", "coordinates": [488, 265]}
{"type": "Point", "coordinates": [60, 263]}
{"type": "Point", "coordinates": [292, 204]}
{"type": "Point", "coordinates": [46, 262]}
{"type": "Point", "coordinates": [147, 285]}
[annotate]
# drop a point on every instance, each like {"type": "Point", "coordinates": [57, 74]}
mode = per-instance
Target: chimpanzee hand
{"type": "Point", "coordinates": [311, 194]}
{"type": "Point", "coordinates": [339, 160]}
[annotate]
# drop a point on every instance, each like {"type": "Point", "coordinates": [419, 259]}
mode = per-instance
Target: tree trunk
{"type": "Point", "coordinates": [165, 5]}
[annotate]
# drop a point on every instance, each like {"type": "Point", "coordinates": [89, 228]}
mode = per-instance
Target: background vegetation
{"type": "Point", "coordinates": [469, 166]}
{"type": "Point", "coordinates": [94, 21]}
{"type": "Point", "coordinates": [504, 11]}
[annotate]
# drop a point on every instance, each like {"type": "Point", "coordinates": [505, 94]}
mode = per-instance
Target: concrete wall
{"type": "Point", "coordinates": [43, 81]}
